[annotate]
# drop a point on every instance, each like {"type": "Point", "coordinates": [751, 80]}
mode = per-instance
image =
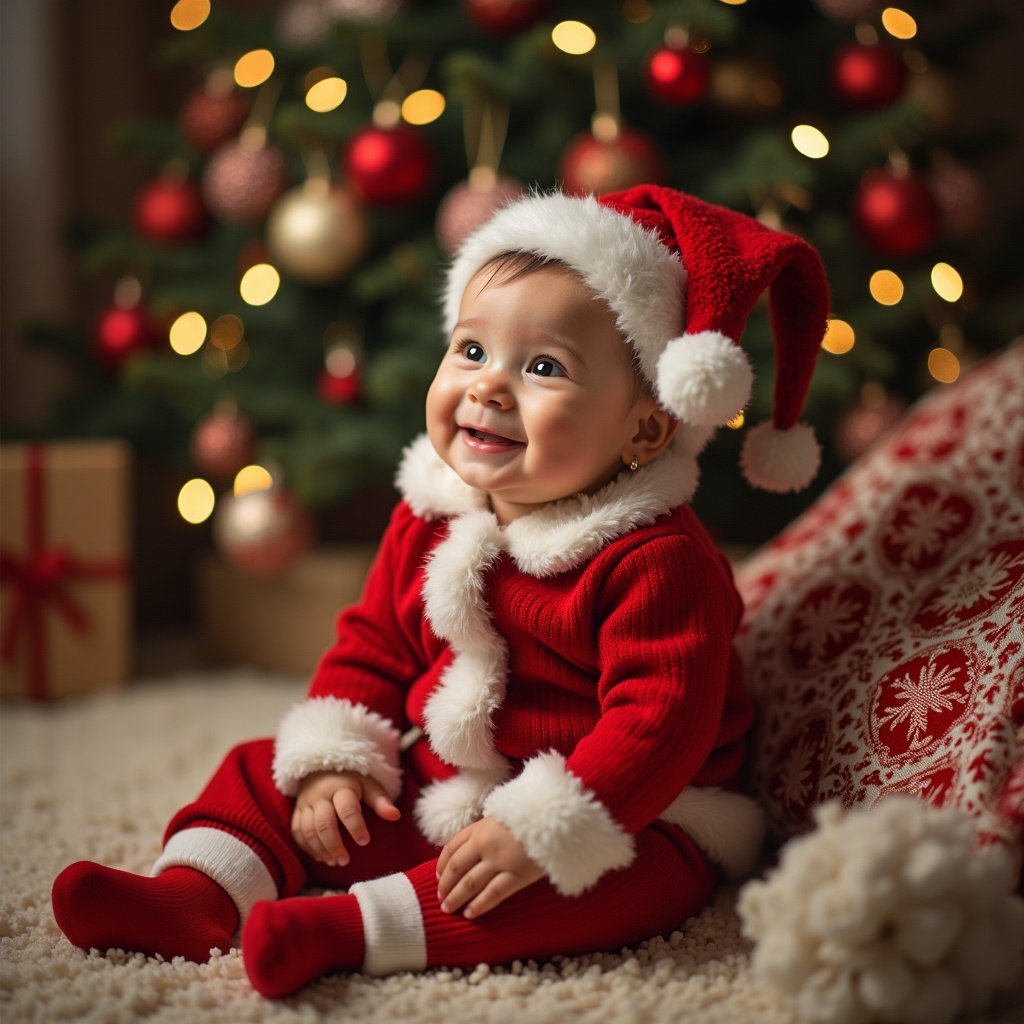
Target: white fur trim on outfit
{"type": "Point", "coordinates": [393, 931]}
{"type": "Point", "coordinates": [445, 808]}
{"type": "Point", "coordinates": [728, 827]}
{"type": "Point", "coordinates": [219, 855]}
{"type": "Point", "coordinates": [458, 715]}
{"type": "Point", "coordinates": [329, 734]}
{"type": "Point", "coordinates": [562, 825]}
{"type": "Point", "coordinates": [622, 262]}
{"type": "Point", "coordinates": [704, 378]}
{"type": "Point", "coordinates": [780, 460]}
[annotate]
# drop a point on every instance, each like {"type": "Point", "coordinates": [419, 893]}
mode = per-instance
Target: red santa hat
{"type": "Point", "coordinates": [681, 276]}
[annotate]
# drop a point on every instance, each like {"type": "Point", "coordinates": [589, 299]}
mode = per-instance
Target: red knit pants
{"type": "Point", "coordinates": [239, 833]}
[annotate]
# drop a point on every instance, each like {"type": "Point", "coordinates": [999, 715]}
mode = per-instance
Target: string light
{"type": "Point", "coordinates": [839, 337]}
{"type": "Point", "coordinates": [943, 365]}
{"type": "Point", "coordinates": [254, 68]}
{"type": "Point", "coordinates": [251, 478]}
{"type": "Point", "coordinates": [809, 141]}
{"type": "Point", "coordinates": [187, 333]}
{"type": "Point", "coordinates": [423, 106]}
{"type": "Point", "coordinates": [898, 23]}
{"type": "Point", "coordinates": [948, 284]}
{"type": "Point", "coordinates": [573, 37]}
{"type": "Point", "coordinates": [189, 14]}
{"type": "Point", "coordinates": [734, 3]}
{"type": "Point", "coordinates": [259, 284]}
{"type": "Point", "coordinates": [196, 501]}
{"type": "Point", "coordinates": [737, 421]}
{"type": "Point", "coordinates": [226, 332]}
{"type": "Point", "coordinates": [327, 94]}
{"type": "Point", "coordinates": [886, 287]}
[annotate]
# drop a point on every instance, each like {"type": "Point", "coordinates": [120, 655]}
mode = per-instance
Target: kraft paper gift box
{"type": "Point", "coordinates": [65, 570]}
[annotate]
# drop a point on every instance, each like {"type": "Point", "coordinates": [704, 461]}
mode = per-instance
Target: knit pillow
{"type": "Point", "coordinates": [884, 633]}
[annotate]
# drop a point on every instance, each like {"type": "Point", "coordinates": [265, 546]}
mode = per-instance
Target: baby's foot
{"type": "Point", "coordinates": [178, 913]}
{"type": "Point", "coordinates": [290, 943]}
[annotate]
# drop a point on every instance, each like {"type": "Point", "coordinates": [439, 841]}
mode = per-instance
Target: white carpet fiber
{"type": "Point", "coordinates": [97, 778]}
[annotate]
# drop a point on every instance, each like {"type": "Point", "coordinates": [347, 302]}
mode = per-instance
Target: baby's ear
{"type": "Point", "coordinates": [655, 429]}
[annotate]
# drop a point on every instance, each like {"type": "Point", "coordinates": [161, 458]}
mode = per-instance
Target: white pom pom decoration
{"type": "Point", "coordinates": [704, 378]}
{"type": "Point", "coordinates": [947, 936]}
{"type": "Point", "coordinates": [780, 460]}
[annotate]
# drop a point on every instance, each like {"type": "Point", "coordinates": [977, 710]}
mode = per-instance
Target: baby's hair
{"type": "Point", "coordinates": [514, 264]}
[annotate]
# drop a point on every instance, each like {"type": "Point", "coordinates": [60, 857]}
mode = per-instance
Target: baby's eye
{"type": "Point", "coordinates": [474, 352]}
{"type": "Point", "coordinates": [546, 368]}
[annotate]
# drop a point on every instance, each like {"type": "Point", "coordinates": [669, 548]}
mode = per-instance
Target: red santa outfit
{"type": "Point", "coordinates": [570, 674]}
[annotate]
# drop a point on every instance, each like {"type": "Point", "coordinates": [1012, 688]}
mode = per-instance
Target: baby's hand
{"type": "Point", "coordinates": [482, 866]}
{"type": "Point", "coordinates": [327, 798]}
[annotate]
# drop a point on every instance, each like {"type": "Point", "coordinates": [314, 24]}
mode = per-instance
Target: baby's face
{"type": "Point", "coordinates": [535, 399]}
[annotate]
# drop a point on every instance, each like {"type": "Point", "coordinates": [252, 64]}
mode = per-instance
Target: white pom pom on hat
{"type": "Point", "coordinates": [681, 276]}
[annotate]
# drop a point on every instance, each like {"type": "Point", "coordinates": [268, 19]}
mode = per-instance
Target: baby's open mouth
{"type": "Point", "coordinates": [491, 439]}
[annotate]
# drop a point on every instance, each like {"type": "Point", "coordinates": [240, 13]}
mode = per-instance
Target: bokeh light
{"type": "Point", "coordinates": [839, 338]}
{"type": "Point", "coordinates": [187, 333]}
{"type": "Point", "coordinates": [196, 501]}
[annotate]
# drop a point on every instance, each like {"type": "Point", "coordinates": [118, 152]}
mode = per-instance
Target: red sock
{"type": "Point", "coordinates": [179, 913]}
{"type": "Point", "coordinates": [289, 943]}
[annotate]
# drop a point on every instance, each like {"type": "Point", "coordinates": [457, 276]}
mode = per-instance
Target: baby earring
{"type": "Point", "coordinates": [634, 465]}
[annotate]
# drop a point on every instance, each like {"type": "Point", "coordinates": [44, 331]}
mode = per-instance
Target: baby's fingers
{"type": "Point", "coordinates": [350, 812]}
{"type": "Point", "coordinates": [376, 797]}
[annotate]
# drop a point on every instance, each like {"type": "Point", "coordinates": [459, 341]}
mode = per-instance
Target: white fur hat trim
{"type": "Point", "coordinates": [704, 378]}
{"type": "Point", "coordinates": [780, 460]}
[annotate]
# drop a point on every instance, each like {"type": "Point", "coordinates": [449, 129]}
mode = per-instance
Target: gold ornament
{"type": "Point", "coordinates": [317, 232]}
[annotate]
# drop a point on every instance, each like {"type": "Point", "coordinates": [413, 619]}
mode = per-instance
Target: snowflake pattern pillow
{"type": "Point", "coordinates": [884, 633]}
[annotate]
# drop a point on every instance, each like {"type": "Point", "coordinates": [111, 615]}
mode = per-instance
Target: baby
{"type": "Point", "coordinates": [528, 735]}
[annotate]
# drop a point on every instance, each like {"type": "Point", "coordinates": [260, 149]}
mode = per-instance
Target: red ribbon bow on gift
{"type": "Point", "coordinates": [40, 579]}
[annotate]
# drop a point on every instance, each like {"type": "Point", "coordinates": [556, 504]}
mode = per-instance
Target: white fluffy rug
{"type": "Point", "coordinates": [97, 778]}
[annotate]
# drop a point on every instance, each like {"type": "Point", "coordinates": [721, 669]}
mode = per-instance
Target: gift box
{"type": "Point", "coordinates": [282, 623]}
{"type": "Point", "coordinates": [65, 572]}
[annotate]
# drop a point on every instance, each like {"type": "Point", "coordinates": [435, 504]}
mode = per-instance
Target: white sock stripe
{"type": "Point", "coordinates": [223, 857]}
{"type": "Point", "coordinates": [392, 925]}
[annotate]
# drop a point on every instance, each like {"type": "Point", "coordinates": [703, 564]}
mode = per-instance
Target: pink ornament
{"type": "Point", "coordinates": [470, 204]}
{"type": "Point", "coordinates": [262, 532]}
{"type": "Point", "coordinates": [241, 181]}
{"type": "Point", "coordinates": [592, 165]}
{"type": "Point", "coordinates": [960, 196]}
{"type": "Point", "coordinates": [222, 443]}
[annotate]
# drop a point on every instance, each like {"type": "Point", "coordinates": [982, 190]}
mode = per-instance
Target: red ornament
{"type": "Point", "coordinates": [209, 118]}
{"type": "Point", "coordinates": [896, 214]}
{"type": "Point", "coordinates": [120, 333]}
{"type": "Point", "coordinates": [677, 76]}
{"type": "Point", "coordinates": [389, 166]}
{"type": "Point", "coordinates": [339, 390]}
{"type": "Point", "coordinates": [867, 77]}
{"type": "Point", "coordinates": [222, 443]}
{"type": "Point", "coordinates": [241, 181]}
{"type": "Point", "coordinates": [468, 205]}
{"type": "Point", "coordinates": [592, 165]}
{"type": "Point", "coordinates": [505, 17]}
{"type": "Point", "coordinates": [168, 212]}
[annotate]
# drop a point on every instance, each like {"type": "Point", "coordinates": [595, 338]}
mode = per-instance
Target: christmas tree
{"type": "Point", "coordinates": [278, 306]}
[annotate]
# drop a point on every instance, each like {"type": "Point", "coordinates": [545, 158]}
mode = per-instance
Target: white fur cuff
{"type": "Point", "coordinates": [328, 734]}
{"type": "Point", "coordinates": [562, 825]}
